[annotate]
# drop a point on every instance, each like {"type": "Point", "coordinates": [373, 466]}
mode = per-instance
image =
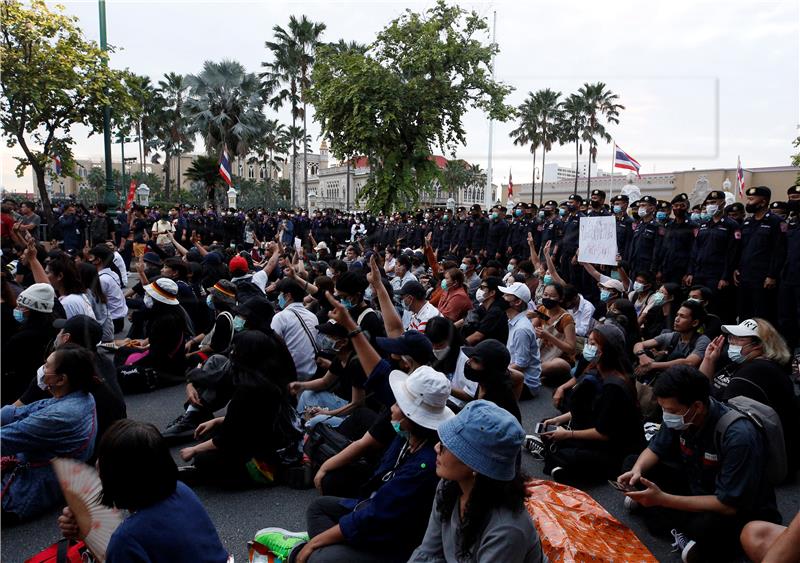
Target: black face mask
{"type": "Point", "coordinates": [679, 212]}
{"type": "Point", "coordinates": [473, 374]}
{"type": "Point", "coordinates": [793, 206]}
{"type": "Point", "coordinates": [549, 303]}
{"type": "Point", "coordinates": [596, 204]}
{"type": "Point", "coordinates": [753, 207]}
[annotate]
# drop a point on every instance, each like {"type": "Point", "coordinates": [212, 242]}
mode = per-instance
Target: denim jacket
{"type": "Point", "coordinates": [35, 434]}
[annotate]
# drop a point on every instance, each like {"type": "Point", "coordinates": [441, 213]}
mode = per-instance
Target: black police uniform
{"type": "Point", "coordinates": [568, 248]}
{"type": "Point", "coordinates": [478, 231]}
{"type": "Point", "coordinates": [550, 230]}
{"type": "Point", "coordinates": [642, 252]}
{"type": "Point", "coordinates": [517, 239]}
{"type": "Point", "coordinates": [713, 258]}
{"type": "Point", "coordinates": [496, 238]}
{"type": "Point", "coordinates": [789, 292]}
{"type": "Point", "coordinates": [675, 250]}
{"type": "Point", "coordinates": [763, 254]}
{"type": "Point", "coordinates": [624, 234]}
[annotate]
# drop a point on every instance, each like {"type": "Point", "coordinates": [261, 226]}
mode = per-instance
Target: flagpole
{"type": "Point", "coordinates": [488, 195]}
{"type": "Point", "coordinates": [613, 159]}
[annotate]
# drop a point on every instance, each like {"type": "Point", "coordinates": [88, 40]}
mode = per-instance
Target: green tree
{"type": "Point", "coordinates": [571, 125]}
{"type": "Point", "coordinates": [527, 132]}
{"type": "Point", "coordinates": [205, 169]}
{"type": "Point", "coordinates": [456, 176]}
{"type": "Point", "coordinates": [290, 74]}
{"type": "Point", "coordinates": [601, 106]}
{"type": "Point", "coordinates": [548, 111]}
{"type": "Point", "coordinates": [52, 78]}
{"type": "Point", "coordinates": [170, 125]}
{"type": "Point", "coordinates": [407, 93]}
{"type": "Point", "coordinates": [225, 106]}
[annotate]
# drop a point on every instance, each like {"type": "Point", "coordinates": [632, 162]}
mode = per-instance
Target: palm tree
{"type": "Point", "coordinates": [600, 104]}
{"type": "Point", "coordinates": [548, 113]}
{"type": "Point", "coordinates": [225, 106]}
{"type": "Point", "coordinates": [205, 169]}
{"type": "Point", "coordinates": [273, 143]}
{"type": "Point", "coordinates": [290, 74]}
{"type": "Point", "coordinates": [571, 126]}
{"type": "Point", "coordinates": [527, 132]}
{"type": "Point", "coordinates": [173, 91]}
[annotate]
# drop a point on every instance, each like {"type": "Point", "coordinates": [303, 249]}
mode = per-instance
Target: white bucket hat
{"type": "Point", "coordinates": [164, 290]}
{"type": "Point", "coordinates": [422, 396]}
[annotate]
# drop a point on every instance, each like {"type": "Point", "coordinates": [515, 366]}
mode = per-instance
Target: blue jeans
{"type": "Point", "coordinates": [322, 399]}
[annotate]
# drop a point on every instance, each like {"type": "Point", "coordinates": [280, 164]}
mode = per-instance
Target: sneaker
{"type": "Point", "coordinates": [686, 547]}
{"type": "Point", "coordinates": [630, 505]}
{"type": "Point", "coordinates": [182, 428]}
{"type": "Point", "coordinates": [558, 474]}
{"type": "Point", "coordinates": [279, 541]}
{"type": "Point", "coordinates": [534, 445]}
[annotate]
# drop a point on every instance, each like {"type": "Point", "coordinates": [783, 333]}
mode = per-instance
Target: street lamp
{"type": "Point", "coordinates": [726, 185]}
{"type": "Point", "coordinates": [143, 195]}
{"type": "Point", "coordinates": [232, 198]}
{"type": "Point", "coordinates": [312, 201]}
{"type": "Point", "coordinates": [451, 204]}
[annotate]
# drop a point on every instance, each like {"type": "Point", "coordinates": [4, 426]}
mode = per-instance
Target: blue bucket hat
{"type": "Point", "coordinates": [486, 438]}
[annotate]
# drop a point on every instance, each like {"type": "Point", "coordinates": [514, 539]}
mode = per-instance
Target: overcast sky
{"type": "Point", "coordinates": [703, 81]}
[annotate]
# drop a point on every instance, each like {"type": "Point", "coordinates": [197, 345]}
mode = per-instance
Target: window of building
{"type": "Point", "coordinates": [251, 171]}
{"type": "Point", "coordinates": [262, 172]}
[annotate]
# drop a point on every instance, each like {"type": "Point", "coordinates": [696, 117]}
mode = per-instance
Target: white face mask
{"type": "Point", "coordinates": [712, 209]}
{"type": "Point", "coordinates": [148, 301]}
{"type": "Point", "coordinates": [441, 352]}
{"type": "Point", "coordinates": [329, 273]}
{"type": "Point", "coordinates": [480, 296]}
{"type": "Point", "coordinates": [40, 378]}
{"type": "Point", "coordinates": [642, 212]}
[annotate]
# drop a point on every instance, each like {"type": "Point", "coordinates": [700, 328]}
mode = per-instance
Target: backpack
{"type": "Point", "coordinates": [99, 229]}
{"type": "Point", "coordinates": [769, 425]}
{"type": "Point", "coordinates": [63, 551]}
{"type": "Point", "coordinates": [246, 290]}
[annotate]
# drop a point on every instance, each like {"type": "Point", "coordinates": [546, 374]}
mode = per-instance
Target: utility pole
{"type": "Point", "coordinates": [111, 195]}
{"type": "Point", "coordinates": [488, 196]}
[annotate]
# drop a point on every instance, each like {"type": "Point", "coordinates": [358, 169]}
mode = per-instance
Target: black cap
{"type": "Point", "coordinates": [762, 191]}
{"type": "Point", "coordinates": [662, 205]}
{"type": "Point", "coordinates": [601, 193]}
{"type": "Point", "coordinates": [412, 288]}
{"type": "Point", "coordinates": [648, 199]}
{"type": "Point", "coordinates": [794, 190]}
{"type": "Point", "coordinates": [411, 343]}
{"type": "Point", "coordinates": [738, 207]}
{"type": "Point", "coordinates": [332, 328]}
{"type": "Point", "coordinates": [681, 197]}
{"type": "Point", "coordinates": [620, 197]}
{"type": "Point", "coordinates": [778, 205]}
{"type": "Point", "coordinates": [152, 258]}
{"type": "Point", "coordinates": [352, 283]}
{"type": "Point", "coordinates": [551, 203]}
{"type": "Point", "coordinates": [492, 354]}
{"type": "Point", "coordinates": [82, 329]}
{"type": "Point", "coordinates": [715, 194]}
{"type": "Point", "coordinates": [575, 197]}
{"type": "Point", "coordinates": [475, 207]}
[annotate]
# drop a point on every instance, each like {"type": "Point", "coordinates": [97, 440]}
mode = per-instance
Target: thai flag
{"type": "Point", "coordinates": [624, 160]}
{"type": "Point", "coordinates": [56, 164]}
{"type": "Point", "coordinates": [225, 169]}
{"type": "Point", "coordinates": [510, 185]}
{"type": "Point", "coordinates": [739, 176]}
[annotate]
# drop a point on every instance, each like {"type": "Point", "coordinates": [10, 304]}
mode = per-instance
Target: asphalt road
{"type": "Point", "coordinates": [238, 515]}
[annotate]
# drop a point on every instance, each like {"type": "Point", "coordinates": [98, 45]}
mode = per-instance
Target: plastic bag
{"type": "Point", "coordinates": [573, 527]}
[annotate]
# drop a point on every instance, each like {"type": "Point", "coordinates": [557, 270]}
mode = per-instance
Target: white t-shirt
{"type": "Point", "coordinates": [161, 228]}
{"type": "Point", "coordinates": [77, 304]}
{"type": "Point", "coordinates": [462, 383]}
{"type": "Point", "coordinates": [419, 320]}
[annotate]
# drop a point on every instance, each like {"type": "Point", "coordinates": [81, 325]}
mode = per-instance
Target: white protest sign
{"type": "Point", "coordinates": [597, 241]}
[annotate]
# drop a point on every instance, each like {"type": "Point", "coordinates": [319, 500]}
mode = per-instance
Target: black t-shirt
{"type": "Point", "coordinates": [348, 375]}
{"type": "Point", "coordinates": [617, 416]}
{"type": "Point", "coordinates": [494, 323]}
{"type": "Point", "coordinates": [767, 382]}
{"type": "Point", "coordinates": [382, 429]}
{"type": "Point", "coordinates": [247, 431]}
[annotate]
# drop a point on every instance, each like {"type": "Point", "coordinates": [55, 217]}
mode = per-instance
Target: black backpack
{"type": "Point", "coordinates": [246, 290]}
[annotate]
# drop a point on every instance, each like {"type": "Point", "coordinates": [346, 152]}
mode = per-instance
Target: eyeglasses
{"type": "Point", "coordinates": [484, 286]}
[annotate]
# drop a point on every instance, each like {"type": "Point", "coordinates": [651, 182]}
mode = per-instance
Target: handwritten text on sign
{"type": "Point", "coordinates": [598, 240]}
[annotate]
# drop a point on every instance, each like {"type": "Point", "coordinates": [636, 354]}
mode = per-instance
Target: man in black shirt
{"type": "Point", "coordinates": [488, 319]}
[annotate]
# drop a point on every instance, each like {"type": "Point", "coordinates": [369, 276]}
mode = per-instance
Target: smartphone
{"type": "Point", "coordinates": [543, 316]}
{"type": "Point", "coordinates": [620, 487]}
{"type": "Point", "coordinates": [541, 428]}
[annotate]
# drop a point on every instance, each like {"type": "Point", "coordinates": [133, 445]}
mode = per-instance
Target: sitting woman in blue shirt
{"type": "Point", "coordinates": [62, 426]}
{"type": "Point", "coordinates": [167, 521]}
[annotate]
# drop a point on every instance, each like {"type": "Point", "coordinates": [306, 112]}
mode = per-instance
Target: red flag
{"type": "Point", "coordinates": [510, 185]}
{"type": "Point", "coordinates": [131, 194]}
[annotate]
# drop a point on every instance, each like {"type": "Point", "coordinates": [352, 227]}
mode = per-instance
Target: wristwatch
{"type": "Point", "coordinates": [355, 332]}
